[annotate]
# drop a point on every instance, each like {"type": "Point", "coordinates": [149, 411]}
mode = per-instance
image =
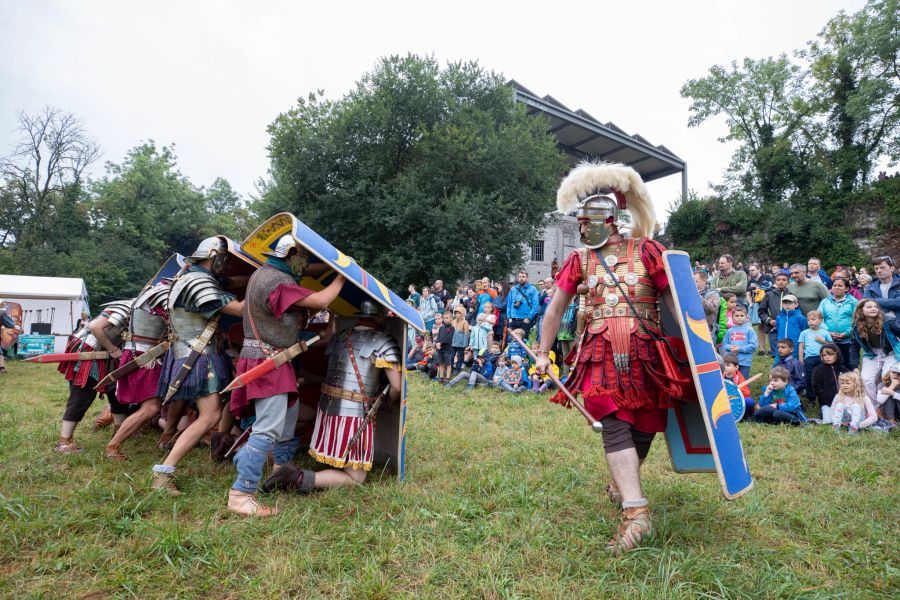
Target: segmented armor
{"type": "Point", "coordinates": [192, 289]}
{"type": "Point", "coordinates": [147, 327]}
{"type": "Point", "coordinates": [117, 313]}
{"type": "Point", "coordinates": [372, 350]}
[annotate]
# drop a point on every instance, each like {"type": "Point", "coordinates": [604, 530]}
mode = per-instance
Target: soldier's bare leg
{"type": "Point", "coordinates": [330, 478]}
{"type": "Point", "coordinates": [210, 409]}
{"type": "Point", "coordinates": [148, 409]}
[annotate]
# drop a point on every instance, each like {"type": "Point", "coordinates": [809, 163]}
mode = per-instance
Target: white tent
{"type": "Point", "coordinates": [57, 301]}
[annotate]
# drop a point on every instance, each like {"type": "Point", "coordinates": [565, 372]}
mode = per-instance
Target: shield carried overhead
{"type": "Point", "coordinates": [390, 431]}
{"type": "Point", "coordinates": [702, 435]}
{"type": "Point", "coordinates": [363, 285]}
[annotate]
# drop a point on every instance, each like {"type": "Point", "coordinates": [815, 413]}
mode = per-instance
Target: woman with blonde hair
{"type": "Point", "coordinates": [851, 405]}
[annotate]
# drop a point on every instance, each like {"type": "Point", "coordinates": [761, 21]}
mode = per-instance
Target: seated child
{"type": "Point", "coordinates": [740, 340]}
{"type": "Point", "coordinates": [731, 371]}
{"type": "Point", "coordinates": [513, 379]}
{"type": "Point", "coordinates": [888, 397]}
{"type": "Point", "coordinates": [481, 373]}
{"type": "Point", "coordinates": [516, 349]}
{"type": "Point", "coordinates": [428, 365]}
{"type": "Point", "coordinates": [851, 404]}
{"type": "Point", "coordinates": [811, 341]}
{"type": "Point", "coordinates": [541, 383]}
{"type": "Point", "coordinates": [416, 352]}
{"type": "Point", "coordinates": [824, 380]}
{"type": "Point", "coordinates": [787, 359]}
{"type": "Point", "coordinates": [500, 367]}
{"type": "Point", "coordinates": [779, 402]}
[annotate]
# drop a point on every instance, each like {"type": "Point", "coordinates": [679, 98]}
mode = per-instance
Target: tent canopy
{"type": "Point", "coordinates": [42, 288]}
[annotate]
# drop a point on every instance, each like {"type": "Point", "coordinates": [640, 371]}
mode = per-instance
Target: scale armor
{"type": "Point", "coordinates": [191, 289]}
{"type": "Point", "coordinates": [146, 328]}
{"type": "Point", "coordinates": [370, 348]}
{"type": "Point", "coordinates": [117, 313]}
{"type": "Point", "coordinates": [275, 333]}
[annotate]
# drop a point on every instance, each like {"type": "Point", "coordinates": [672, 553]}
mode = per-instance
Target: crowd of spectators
{"type": "Point", "coordinates": [817, 326]}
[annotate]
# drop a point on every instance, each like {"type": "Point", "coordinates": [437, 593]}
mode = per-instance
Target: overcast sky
{"type": "Point", "coordinates": [209, 77]}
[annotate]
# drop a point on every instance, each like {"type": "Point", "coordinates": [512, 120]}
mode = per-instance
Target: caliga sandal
{"type": "Point", "coordinates": [635, 529]}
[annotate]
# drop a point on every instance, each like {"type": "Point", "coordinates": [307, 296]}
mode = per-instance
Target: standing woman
{"type": "Point", "coordinates": [428, 308]}
{"type": "Point", "coordinates": [500, 301]}
{"type": "Point", "coordinates": [837, 309]}
{"type": "Point", "coordinates": [879, 338]}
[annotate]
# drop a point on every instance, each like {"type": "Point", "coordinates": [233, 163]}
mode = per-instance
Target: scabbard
{"type": "Point", "coordinates": [370, 414]}
{"type": "Point", "coordinates": [196, 350]}
{"type": "Point", "coordinates": [69, 357]}
{"type": "Point", "coordinates": [269, 365]}
{"type": "Point", "coordinates": [141, 361]}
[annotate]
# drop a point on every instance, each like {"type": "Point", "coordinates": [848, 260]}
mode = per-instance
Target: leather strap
{"type": "Point", "coordinates": [359, 379]}
{"type": "Point", "coordinates": [265, 349]}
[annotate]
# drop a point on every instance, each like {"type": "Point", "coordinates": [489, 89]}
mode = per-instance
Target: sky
{"type": "Point", "coordinates": [209, 76]}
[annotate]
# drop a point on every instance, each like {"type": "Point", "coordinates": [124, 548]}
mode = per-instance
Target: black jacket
{"type": "Point", "coordinates": [770, 307]}
{"type": "Point", "coordinates": [825, 377]}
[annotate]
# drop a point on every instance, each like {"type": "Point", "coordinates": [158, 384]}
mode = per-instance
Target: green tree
{"type": "Point", "coordinates": [143, 210]}
{"type": "Point", "coordinates": [854, 62]}
{"type": "Point", "coordinates": [417, 171]}
{"type": "Point", "coordinates": [227, 213]}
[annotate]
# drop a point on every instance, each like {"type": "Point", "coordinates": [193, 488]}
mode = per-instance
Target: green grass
{"type": "Point", "coordinates": [503, 499]}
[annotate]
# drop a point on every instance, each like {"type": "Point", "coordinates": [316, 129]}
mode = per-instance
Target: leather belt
{"type": "Point", "coordinates": [606, 312]}
{"type": "Point", "coordinates": [342, 394]}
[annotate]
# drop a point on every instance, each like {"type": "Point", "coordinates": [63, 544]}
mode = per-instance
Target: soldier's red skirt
{"type": "Point", "coordinates": [330, 439]}
{"type": "Point", "coordinates": [140, 384]}
{"type": "Point", "coordinates": [79, 371]}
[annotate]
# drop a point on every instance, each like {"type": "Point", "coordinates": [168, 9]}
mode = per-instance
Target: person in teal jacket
{"type": "Point", "coordinates": [779, 402]}
{"type": "Point", "coordinates": [837, 309]}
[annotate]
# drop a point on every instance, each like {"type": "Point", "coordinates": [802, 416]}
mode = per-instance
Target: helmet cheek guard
{"type": "Point", "coordinates": [596, 214]}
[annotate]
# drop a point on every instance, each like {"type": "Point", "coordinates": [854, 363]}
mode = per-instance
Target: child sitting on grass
{"type": "Point", "coordinates": [851, 404]}
{"type": "Point", "coordinates": [501, 366]}
{"type": "Point", "coordinates": [779, 402]}
{"type": "Point", "coordinates": [740, 340]}
{"type": "Point", "coordinates": [480, 374]}
{"type": "Point", "coordinates": [541, 383]}
{"type": "Point", "coordinates": [514, 348]}
{"type": "Point", "coordinates": [513, 379]}
{"type": "Point", "coordinates": [787, 360]}
{"type": "Point", "coordinates": [888, 397]}
{"type": "Point", "coordinates": [825, 376]}
{"type": "Point", "coordinates": [731, 371]}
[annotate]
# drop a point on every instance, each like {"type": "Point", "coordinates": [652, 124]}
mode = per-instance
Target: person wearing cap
{"type": "Point", "coordinates": [617, 367]}
{"type": "Point", "coordinates": [361, 358]}
{"type": "Point", "coordinates": [790, 322]}
{"type": "Point", "coordinates": [275, 309]}
{"type": "Point", "coordinates": [416, 352]}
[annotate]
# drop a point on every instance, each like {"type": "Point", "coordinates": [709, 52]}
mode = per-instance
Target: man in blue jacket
{"type": "Point", "coordinates": [885, 288]}
{"type": "Point", "coordinates": [522, 305]}
{"type": "Point", "coordinates": [815, 272]}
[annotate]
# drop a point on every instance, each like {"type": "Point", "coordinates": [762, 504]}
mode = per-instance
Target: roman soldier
{"type": "Point", "coordinates": [615, 364]}
{"type": "Point", "coordinates": [274, 311]}
{"type": "Point", "coordinates": [195, 368]}
{"type": "Point", "coordinates": [359, 358]}
{"type": "Point", "coordinates": [100, 335]}
{"type": "Point", "coordinates": [147, 329]}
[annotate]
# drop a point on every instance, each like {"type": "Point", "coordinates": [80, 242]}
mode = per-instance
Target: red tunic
{"type": "Point", "coordinates": [282, 380]}
{"type": "Point", "coordinates": [633, 397]}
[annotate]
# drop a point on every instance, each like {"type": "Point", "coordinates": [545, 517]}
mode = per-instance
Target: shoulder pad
{"type": "Point", "coordinates": [117, 312]}
{"type": "Point", "coordinates": [153, 296]}
{"type": "Point", "coordinates": [386, 347]}
{"type": "Point", "coordinates": [194, 289]}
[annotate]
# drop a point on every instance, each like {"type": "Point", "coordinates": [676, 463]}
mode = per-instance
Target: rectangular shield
{"type": "Point", "coordinates": [702, 436]}
{"type": "Point", "coordinates": [390, 430]}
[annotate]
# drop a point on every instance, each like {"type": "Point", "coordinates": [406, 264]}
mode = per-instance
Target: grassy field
{"type": "Point", "coordinates": [503, 499]}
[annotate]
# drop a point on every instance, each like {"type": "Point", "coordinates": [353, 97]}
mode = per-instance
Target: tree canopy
{"type": "Point", "coordinates": [810, 130]}
{"type": "Point", "coordinates": [418, 170]}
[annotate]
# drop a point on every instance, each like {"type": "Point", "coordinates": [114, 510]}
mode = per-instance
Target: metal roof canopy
{"type": "Point", "coordinates": [582, 137]}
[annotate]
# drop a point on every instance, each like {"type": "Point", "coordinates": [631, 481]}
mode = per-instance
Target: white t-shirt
{"type": "Point", "coordinates": [885, 287]}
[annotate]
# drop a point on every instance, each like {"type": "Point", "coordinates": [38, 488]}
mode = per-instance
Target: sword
{"type": "Point", "coordinates": [370, 414]}
{"type": "Point", "coordinates": [269, 365]}
{"type": "Point", "coordinates": [68, 356]}
{"type": "Point", "coordinates": [196, 350]}
{"type": "Point", "coordinates": [141, 361]}
{"type": "Point", "coordinates": [595, 424]}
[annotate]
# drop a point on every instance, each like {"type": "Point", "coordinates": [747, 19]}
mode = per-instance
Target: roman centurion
{"type": "Point", "coordinates": [619, 281]}
{"type": "Point", "coordinates": [274, 311]}
{"type": "Point", "coordinates": [360, 359]}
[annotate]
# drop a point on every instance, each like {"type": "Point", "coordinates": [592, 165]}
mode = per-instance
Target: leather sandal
{"type": "Point", "coordinates": [247, 505]}
{"type": "Point", "coordinates": [67, 446]}
{"type": "Point", "coordinates": [104, 419]}
{"type": "Point", "coordinates": [635, 529]}
{"type": "Point", "coordinates": [285, 477]}
{"type": "Point", "coordinates": [164, 482]}
{"type": "Point", "coordinates": [113, 453]}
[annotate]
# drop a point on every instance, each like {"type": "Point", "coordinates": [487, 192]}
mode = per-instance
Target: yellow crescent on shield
{"type": "Point", "coordinates": [343, 260]}
{"type": "Point", "coordinates": [720, 406]}
{"type": "Point", "coordinates": [700, 328]}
